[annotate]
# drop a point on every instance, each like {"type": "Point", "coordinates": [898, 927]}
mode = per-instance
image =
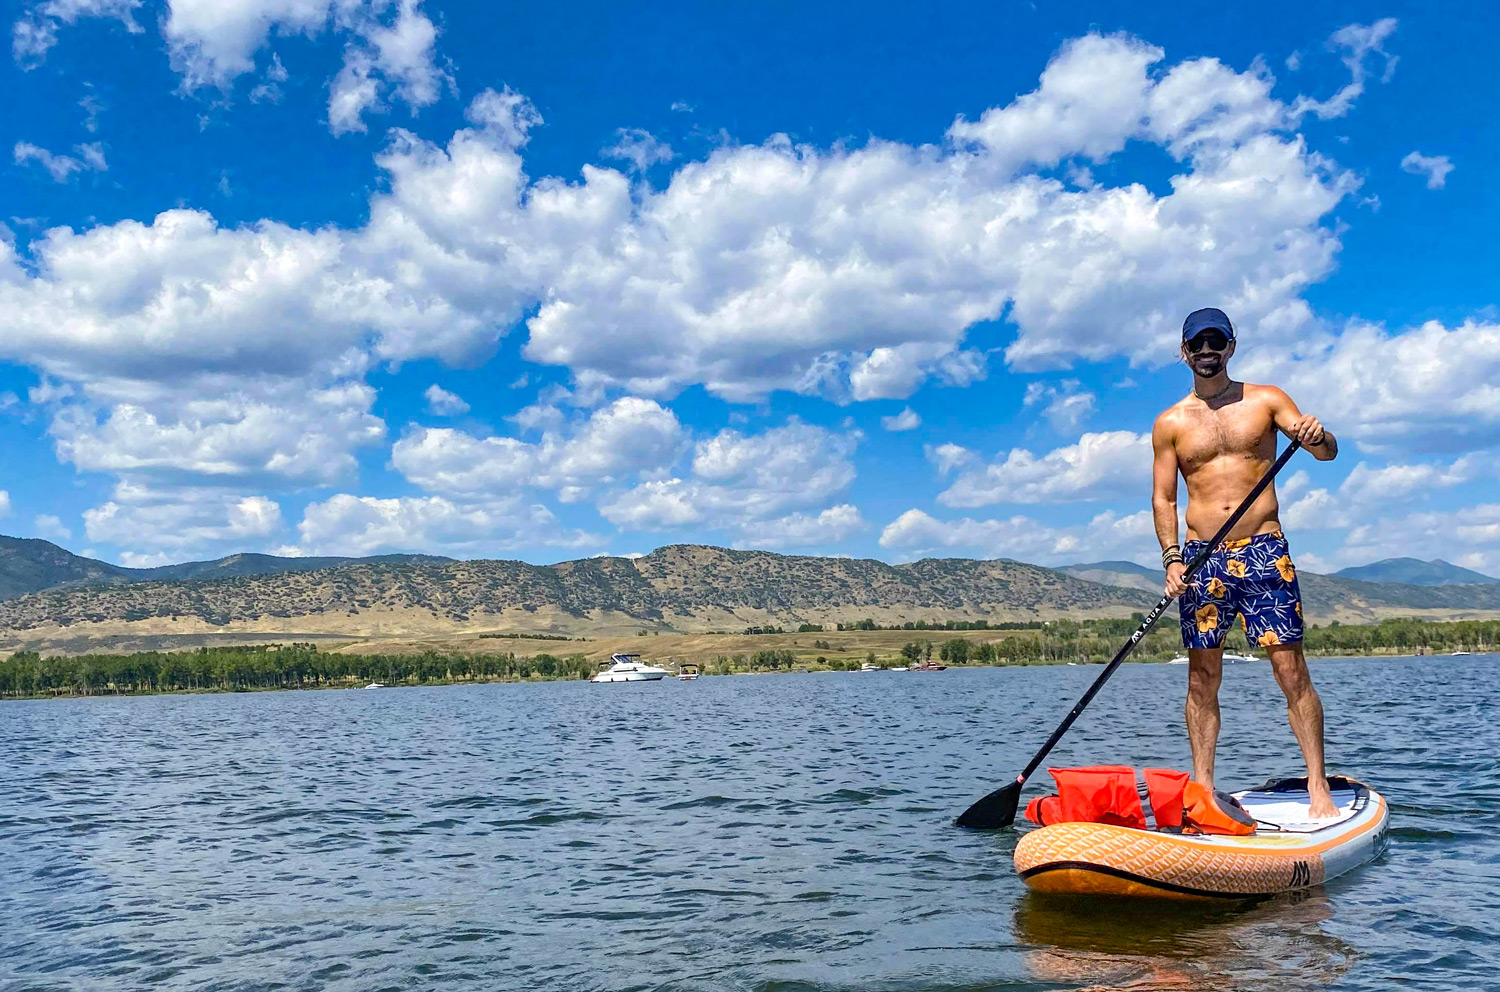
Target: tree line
{"type": "Point", "coordinates": [294, 666]}
{"type": "Point", "coordinates": [303, 666]}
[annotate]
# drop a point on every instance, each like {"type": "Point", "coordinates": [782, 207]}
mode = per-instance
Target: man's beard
{"type": "Point", "coordinates": [1208, 367]}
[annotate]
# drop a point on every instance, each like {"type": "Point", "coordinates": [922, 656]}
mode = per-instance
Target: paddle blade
{"type": "Point", "coordinates": [995, 811]}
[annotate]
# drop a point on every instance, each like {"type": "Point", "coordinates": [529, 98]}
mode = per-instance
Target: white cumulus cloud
{"type": "Point", "coordinates": [835, 524]}
{"type": "Point", "coordinates": [627, 436]}
{"type": "Point", "coordinates": [1468, 536]}
{"type": "Point", "coordinates": [1106, 536]}
{"type": "Point", "coordinates": [948, 457]}
{"type": "Point", "coordinates": [1434, 167]}
{"type": "Point", "coordinates": [90, 158]}
{"type": "Point", "coordinates": [750, 485]}
{"type": "Point", "coordinates": [1359, 43]}
{"type": "Point", "coordinates": [1366, 491]}
{"type": "Point", "coordinates": [389, 46]}
{"type": "Point", "coordinates": [362, 525]}
{"type": "Point", "coordinates": [1098, 466]}
{"type": "Point", "coordinates": [51, 527]}
{"type": "Point", "coordinates": [906, 420]}
{"type": "Point", "coordinates": [36, 31]}
{"type": "Point", "coordinates": [1065, 406]}
{"type": "Point", "coordinates": [444, 403]}
{"type": "Point", "coordinates": [641, 149]}
{"type": "Point", "coordinates": [167, 523]}
{"type": "Point", "coordinates": [1429, 389]}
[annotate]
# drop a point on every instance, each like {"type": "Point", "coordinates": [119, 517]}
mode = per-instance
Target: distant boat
{"type": "Point", "coordinates": [1179, 660]}
{"type": "Point", "coordinates": [687, 672]}
{"type": "Point", "coordinates": [929, 666]}
{"type": "Point", "coordinates": [1459, 654]}
{"type": "Point", "coordinates": [628, 668]}
{"type": "Point", "coordinates": [899, 668]}
{"type": "Point", "coordinates": [867, 667]}
{"type": "Point", "coordinates": [375, 685]}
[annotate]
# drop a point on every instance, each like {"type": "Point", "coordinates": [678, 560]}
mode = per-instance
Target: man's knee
{"type": "Point", "coordinates": [1204, 676]}
{"type": "Point", "coordinates": [1290, 667]}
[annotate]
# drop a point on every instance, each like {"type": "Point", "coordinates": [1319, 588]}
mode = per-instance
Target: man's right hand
{"type": "Point", "coordinates": [1175, 586]}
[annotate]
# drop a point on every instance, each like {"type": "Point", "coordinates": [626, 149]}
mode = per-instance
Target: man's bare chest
{"type": "Point", "coordinates": [1230, 431]}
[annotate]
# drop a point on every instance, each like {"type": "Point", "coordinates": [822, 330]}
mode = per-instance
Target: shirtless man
{"type": "Point", "coordinates": [1222, 438]}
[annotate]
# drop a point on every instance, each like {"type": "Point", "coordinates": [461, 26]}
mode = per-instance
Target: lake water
{"type": "Point", "coordinates": [771, 833]}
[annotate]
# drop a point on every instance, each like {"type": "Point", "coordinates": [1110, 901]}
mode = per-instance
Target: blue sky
{"type": "Point", "coordinates": [349, 277]}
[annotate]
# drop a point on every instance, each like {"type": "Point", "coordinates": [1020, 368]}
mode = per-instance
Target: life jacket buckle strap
{"type": "Point", "coordinates": [1144, 791]}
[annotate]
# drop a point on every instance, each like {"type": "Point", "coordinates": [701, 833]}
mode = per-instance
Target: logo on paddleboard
{"type": "Point", "coordinates": [1301, 875]}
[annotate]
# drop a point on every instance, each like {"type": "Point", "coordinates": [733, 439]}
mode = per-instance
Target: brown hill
{"type": "Point", "coordinates": [684, 588]}
{"type": "Point", "coordinates": [681, 587]}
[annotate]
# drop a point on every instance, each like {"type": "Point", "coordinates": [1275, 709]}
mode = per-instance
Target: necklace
{"type": "Point", "coordinates": [1209, 399]}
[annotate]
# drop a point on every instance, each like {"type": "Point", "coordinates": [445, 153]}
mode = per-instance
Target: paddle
{"type": "Point", "coordinates": [998, 809]}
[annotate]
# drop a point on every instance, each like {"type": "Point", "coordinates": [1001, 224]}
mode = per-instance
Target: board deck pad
{"type": "Point", "coordinates": [1291, 812]}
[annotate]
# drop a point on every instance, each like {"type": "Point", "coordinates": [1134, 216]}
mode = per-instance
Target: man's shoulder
{"type": "Point", "coordinates": [1263, 392]}
{"type": "Point", "coordinates": [1175, 411]}
{"type": "Point", "coordinates": [1168, 423]}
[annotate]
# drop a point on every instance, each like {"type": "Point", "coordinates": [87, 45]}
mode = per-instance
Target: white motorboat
{"type": "Point", "coordinates": [628, 668]}
{"type": "Point", "coordinates": [867, 667]}
{"type": "Point", "coordinates": [687, 672]}
{"type": "Point", "coordinates": [375, 685]}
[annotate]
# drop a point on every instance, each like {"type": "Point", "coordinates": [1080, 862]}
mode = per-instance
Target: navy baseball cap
{"type": "Point", "coordinates": [1201, 320]}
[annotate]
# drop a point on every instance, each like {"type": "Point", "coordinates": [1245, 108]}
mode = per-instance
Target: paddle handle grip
{"type": "Point", "coordinates": [1156, 611]}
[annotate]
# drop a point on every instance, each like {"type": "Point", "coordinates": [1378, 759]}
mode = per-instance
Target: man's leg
{"type": "Point", "coordinates": [1205, 671]}
{"type": "Point", "coordinates": [1304, 711]}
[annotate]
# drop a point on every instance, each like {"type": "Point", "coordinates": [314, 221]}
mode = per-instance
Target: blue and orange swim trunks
{"type": "Point", "coordinates": [1252, 577]}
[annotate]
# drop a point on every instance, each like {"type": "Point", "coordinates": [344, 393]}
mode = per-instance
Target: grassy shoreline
{"type": "Point", "coordinates": [27, 675]}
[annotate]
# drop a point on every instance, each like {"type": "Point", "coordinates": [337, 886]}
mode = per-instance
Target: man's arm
{"type": "Point", "coordinates": [1164, 498]}
{"type": "Point", "coordinates": [1292, 422]}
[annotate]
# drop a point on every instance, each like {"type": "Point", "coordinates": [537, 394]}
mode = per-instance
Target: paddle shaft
{"type": "Point", "coordinates": [1156, 612]}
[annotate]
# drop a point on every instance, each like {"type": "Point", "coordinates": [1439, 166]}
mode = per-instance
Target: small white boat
{"type": "Point", "coordinates": [375, 685]}
{"type": "Point", "coordinates": [687, 672]}
{"type": "Point", "coordinates": [867, 667]}
{"type": "Point", "coordinates": [628, 668]}
{"type": "Point", "coordinates": [899, 668]}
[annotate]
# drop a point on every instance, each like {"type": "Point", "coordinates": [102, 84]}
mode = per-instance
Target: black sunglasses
{"type": "Point", "coordinates": [1212, 340]}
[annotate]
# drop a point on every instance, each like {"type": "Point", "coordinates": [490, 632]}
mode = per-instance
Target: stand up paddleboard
{"type": "Point", "coordinates": [1289, 850]}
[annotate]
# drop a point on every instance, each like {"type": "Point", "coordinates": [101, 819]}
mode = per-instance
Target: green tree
{"type": "Point", "coordinates": [955, 651]}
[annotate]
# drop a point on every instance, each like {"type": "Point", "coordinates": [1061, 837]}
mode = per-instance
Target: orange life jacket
{"type": "Point", "coordinates": [1157, 798]}
{"type": "Point", "coordinates": [1212, 812]}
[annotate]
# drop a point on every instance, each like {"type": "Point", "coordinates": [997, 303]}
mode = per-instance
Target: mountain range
{"type": "Point", "coordinates": [52, 596]}
{"type": "Point", "coordinates": [31, 565]}
{"type": "Point", "coordinates": [1414, 571]}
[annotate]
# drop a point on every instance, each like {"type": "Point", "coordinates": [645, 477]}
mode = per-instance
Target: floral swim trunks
{"type": "Point", "coordinates": [1253, 577]}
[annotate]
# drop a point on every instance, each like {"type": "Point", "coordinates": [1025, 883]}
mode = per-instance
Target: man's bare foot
{"type": "Point", "coordinates": [1321, 804]}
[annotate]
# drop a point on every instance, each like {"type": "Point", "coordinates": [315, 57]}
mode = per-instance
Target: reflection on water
{"type": "Point", "coordinates": [1120, 944]}
{"type": "Point", "coordinates": [778, 833]}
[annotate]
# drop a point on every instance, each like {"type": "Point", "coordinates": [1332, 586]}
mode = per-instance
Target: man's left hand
{"type": "Point", "coordinates": [1308, 431]}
